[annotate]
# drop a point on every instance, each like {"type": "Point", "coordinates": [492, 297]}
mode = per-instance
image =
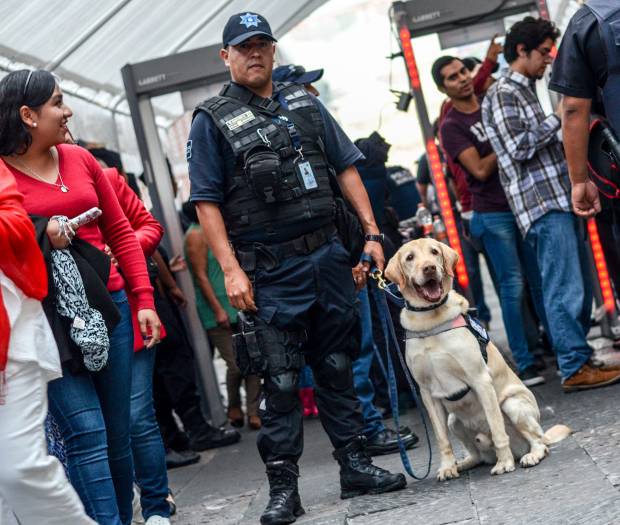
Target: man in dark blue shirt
{"type": "Point", "coordinates": [262, 160]}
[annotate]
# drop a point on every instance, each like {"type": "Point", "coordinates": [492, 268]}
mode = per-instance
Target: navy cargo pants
{"type": "Point", "coordinates": [314, 293]}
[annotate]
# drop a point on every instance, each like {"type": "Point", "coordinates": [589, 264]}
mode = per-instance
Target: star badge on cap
{"type": "Point", "coordinates": [249, 20]}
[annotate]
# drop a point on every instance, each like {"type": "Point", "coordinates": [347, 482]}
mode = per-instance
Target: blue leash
{"type": "Point", "coordinates": [390, 376]}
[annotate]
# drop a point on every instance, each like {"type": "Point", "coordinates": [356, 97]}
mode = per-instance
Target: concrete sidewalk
{"type": "Point", "coordinates": [577, 483]}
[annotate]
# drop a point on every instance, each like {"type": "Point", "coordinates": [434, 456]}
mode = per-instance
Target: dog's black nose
{"type": "Point", "coordinates": [430, 268]}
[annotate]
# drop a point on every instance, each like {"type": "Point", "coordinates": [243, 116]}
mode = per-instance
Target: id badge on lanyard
{"type": "Point", "coordinates": [303, 168]}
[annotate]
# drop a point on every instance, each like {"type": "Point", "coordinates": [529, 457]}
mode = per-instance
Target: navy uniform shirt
{"type": "Point", "coordinates": [211, 160]}
{"type": "Point", "coordinates": [580, 68]}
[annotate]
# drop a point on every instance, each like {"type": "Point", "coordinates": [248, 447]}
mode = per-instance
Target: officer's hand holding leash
{"type": "Point", "coordinates": [239, 289]}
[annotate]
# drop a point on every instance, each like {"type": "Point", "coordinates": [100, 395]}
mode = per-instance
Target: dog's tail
{"type": "Point", "coordinates": [556, 434]}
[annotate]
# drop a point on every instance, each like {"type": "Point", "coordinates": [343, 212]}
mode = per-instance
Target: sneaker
{"type": "Point", "coordinates": [530, 377]}
{"type": "Point", "coordinates": [588, 377]}
{"type": "Point", "coordinates": [157, 520]}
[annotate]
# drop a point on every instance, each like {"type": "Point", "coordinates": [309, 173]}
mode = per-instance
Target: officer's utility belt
{"type": "Point", "coordinates": [269, 256]}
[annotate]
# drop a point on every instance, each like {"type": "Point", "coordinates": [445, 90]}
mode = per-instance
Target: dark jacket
{"type": "Point", "coordinates": [94, 267]}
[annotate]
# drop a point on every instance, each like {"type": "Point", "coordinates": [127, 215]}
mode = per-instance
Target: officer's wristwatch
{"type": "Point", "coordinates": [376, 238]}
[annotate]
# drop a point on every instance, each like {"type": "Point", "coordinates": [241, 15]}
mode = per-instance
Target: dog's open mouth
{"type": "Point", "coordinates": [430, 291]}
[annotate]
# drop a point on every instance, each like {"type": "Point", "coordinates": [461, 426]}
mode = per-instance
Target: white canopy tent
{"type": "Point", "coordinates": [86, 43]}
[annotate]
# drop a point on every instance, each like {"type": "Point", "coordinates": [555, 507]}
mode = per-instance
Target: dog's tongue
{"type": "Point", "coordinates": [432, 291]}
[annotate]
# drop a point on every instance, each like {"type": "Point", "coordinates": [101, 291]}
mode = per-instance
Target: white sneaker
{"type": "Point", "coordinates": [157, 520]}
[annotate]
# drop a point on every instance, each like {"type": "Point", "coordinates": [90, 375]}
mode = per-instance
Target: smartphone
{"type": "Point", "coordinates": [86, 217]}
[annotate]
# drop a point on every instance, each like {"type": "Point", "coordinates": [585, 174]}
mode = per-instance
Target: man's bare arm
{"type": "Point", "coordinates": [575, 132]}
{"type": "Point", "coordinates": [480, 168]}
{"type": "Point", "coordinates": [238, 286]}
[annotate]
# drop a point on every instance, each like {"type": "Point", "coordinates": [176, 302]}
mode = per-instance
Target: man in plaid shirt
{"type": "Point", "coordinates": [535, 178]}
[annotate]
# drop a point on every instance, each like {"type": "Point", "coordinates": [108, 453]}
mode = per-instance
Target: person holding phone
{"type": "Point", "coordinates": [58, 179]}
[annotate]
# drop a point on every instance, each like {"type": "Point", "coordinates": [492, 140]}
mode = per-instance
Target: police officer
{"type": "Point", "coordinates": [261, 155]}
{"type": "Point", "coordinates": [587, 64]}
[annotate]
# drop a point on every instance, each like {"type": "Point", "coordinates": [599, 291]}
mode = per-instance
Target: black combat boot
{"type": "Point", "coordinates": [284, 502]}
{"type": "Point", "coordinates": [359, 476]}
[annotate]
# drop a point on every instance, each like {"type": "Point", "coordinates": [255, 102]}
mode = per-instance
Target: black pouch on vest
{"type": "Point", "coordinates": [349, 230]}
{"type": "Point", "coordinates": [263, 171]}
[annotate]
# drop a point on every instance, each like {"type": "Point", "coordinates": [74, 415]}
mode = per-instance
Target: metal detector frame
{"type": "Point", "coordinates": [603, 294]}
{"type": "Point", "coordinates": [143, 81]}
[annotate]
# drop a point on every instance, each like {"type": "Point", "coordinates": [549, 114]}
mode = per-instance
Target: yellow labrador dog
{"type": "Point", "coordinates": [477, 396]}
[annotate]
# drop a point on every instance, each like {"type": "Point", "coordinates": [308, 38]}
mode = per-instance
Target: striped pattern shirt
{"type": "Point", "coordinates": [530, 157]}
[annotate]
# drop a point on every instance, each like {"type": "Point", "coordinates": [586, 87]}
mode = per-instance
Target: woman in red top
{"type": "Point", "coordinates": [91, 408]}
{"type": "Point", "coordinates": [31, 482]}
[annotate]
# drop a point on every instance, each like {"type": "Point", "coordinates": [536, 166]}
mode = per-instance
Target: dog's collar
{"type": "Point", "coordinates": [458, 322]}
{"type": "Point", "coordinates": [434, 306]}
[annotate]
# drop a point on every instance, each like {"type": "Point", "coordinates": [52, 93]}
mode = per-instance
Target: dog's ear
{"type": "Point", "coordinates": [450, 258]}
{"type": "Point", "coordinates": [394, 271]}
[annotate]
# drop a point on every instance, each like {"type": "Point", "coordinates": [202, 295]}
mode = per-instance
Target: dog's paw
{"type": "Point", "coordinates": [501, 467]}
{"type": "Point", "coordinates": [468, 462]}
{"type": "Point", "coordinates": [530, 460]}
{"type": "Point", "coordinates": [449, 472]}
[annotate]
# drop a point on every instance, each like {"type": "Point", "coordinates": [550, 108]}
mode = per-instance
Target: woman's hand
{"type": "Point", "coordinates": [150, 327]}
{"type": "Point", "coordinates": [57, 239]}
{"type": "Point", "coordinates": [108, 252]}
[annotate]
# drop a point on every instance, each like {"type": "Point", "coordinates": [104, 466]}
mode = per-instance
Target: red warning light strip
{"type": "Point", "coordinates": [412, 68]}
{"type": "Point", "coordinates": [601, 267]}
{"type": "Point", "coordinates": [435, 165]}
{"type": "Point", "coordinates": [446, 210]}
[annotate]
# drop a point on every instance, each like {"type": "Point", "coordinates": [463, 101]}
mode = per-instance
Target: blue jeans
{"type": "Point", "coordinates": [364, 389]}
{"type": "Point", "coordinates": [567, 288]}
{"type": "Point", "coordinates": [149, 456]}
{"type": "Point", "coordinates": [501, 239]}
{"type": "Point", "coordinates": [92, 412]}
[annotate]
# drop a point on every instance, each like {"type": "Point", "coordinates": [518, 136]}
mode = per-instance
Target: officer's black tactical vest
{"type": "Point", "coordinates": [248, 121]}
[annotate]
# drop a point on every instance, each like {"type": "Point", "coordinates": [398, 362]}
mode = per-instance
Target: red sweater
{"type": "Point", "coordinates": [148, 232]}
{"type": "Point", "coordinates": [20, 257]}
{"type": "Point", "coordinates": [89, 187]}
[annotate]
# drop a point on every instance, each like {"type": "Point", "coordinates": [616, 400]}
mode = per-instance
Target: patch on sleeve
{"type": "Point", "coordinates": [188, 150]}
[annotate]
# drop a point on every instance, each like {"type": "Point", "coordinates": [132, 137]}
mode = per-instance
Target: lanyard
{"type": "Point", "coordinates": [293, 133]}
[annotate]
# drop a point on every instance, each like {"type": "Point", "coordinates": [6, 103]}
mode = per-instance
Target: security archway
{"type": "Point", "coordinates": [202, 72]}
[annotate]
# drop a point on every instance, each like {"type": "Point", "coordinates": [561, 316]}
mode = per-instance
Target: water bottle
{"type": "Point", "coordinates": [439, 229]}
{"type": "Point", "coordinates": [424, 219]}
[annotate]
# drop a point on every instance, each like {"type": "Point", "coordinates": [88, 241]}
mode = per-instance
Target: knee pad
{"type": "Point", "coordinates": [281, 391]}
{"type": "Point", "coordinates": [335, 372]}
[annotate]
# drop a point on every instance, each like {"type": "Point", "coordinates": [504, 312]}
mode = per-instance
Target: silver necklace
{"type": "Point", "coordinates": [63, 187]}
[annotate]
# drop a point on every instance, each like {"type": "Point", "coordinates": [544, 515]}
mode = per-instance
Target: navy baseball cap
{"type": "Point", "coordinates": [242, 26]}
{"type": "Point", "coordinates": [296, 74]}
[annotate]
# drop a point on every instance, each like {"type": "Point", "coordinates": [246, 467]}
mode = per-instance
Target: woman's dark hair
{"type": "Point", "coordinates": [531, 32]}
{"type": "Point", "coordinates": [17, 89]}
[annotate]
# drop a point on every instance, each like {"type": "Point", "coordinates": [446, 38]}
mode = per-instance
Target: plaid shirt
{"type": "Point", "coordinates": [530, 157]}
